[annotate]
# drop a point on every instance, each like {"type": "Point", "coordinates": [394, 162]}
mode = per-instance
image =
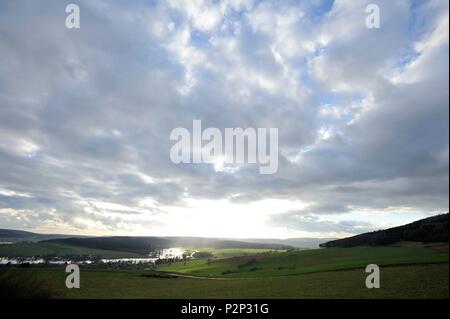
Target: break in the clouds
{"type": "Point", "coordinates": [86, 115]}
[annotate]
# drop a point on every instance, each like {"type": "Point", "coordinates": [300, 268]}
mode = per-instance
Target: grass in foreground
{"type": "Point", "coordinates": [24, 285]}
{"type": "Point", "coordinates": [407, 281]}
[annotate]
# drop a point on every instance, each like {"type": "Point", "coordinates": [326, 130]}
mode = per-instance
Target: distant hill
{"type": "Point", "coordinates": [431, 229]}
{"type": "Point", "coordinates": [142, 245]}
{"type": "Point", "coordinates": [14, 236]}
{"type": "Point", "coordinates": [200, 242]}
{"type": "Point", "coordinates": [294, 242]}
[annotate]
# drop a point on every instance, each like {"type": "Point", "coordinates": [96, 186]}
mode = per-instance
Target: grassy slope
{"type": "Point", "coordinates": [28, 249]}
{"type": "Point", "coordinates": [219, 253]}
{"type": "Point", "coordinates": [308, 261]}
{"type": "Point", "coordinates": [412, 281]}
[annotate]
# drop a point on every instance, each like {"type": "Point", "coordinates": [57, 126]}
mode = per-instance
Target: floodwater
{"type": "Point", "coordinates": [168, 253]}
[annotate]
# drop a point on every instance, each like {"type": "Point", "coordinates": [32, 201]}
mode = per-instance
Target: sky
{"type": "Point", "coordinates": [86, 114]}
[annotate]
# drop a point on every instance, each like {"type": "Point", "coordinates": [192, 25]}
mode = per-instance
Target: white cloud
{"type": "Point", "coordinates": [85, 116]}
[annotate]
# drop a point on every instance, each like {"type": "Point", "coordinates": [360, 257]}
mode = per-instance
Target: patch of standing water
{"type": "Point", "coordinates": [163, 254]}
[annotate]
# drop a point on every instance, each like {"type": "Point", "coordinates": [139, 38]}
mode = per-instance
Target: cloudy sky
{"type": "Point", "coordinates": [86, 115]}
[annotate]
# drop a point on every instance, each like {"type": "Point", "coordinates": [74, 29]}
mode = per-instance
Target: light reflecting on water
{"type": "Point", "coordinates": [167, 253]}
{"type": "Point", "coordinates": [17, 261]}
{"type": "Point", "coordinates": [129, 260]}
{"type": "Point", "coordinates": [171, 253]}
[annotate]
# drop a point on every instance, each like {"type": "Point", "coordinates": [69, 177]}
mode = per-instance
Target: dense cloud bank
{"type": "Point", "coordinates": [86, 114]}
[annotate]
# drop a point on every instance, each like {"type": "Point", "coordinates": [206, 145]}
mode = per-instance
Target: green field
{"type": "Point", "coordinates": [219, 253]}
{"type": "Point", "coordinates": [413, 281]}
{"type": "Point", "coordinates": [30, 249]}
{"type": "Point", "coordinates": [309, 261]}
{"type": "Point", "coordinates": [407, 271]}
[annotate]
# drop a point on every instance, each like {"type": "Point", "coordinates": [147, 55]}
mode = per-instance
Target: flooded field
{"type": "Point", "coordinates": [163, 254]}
